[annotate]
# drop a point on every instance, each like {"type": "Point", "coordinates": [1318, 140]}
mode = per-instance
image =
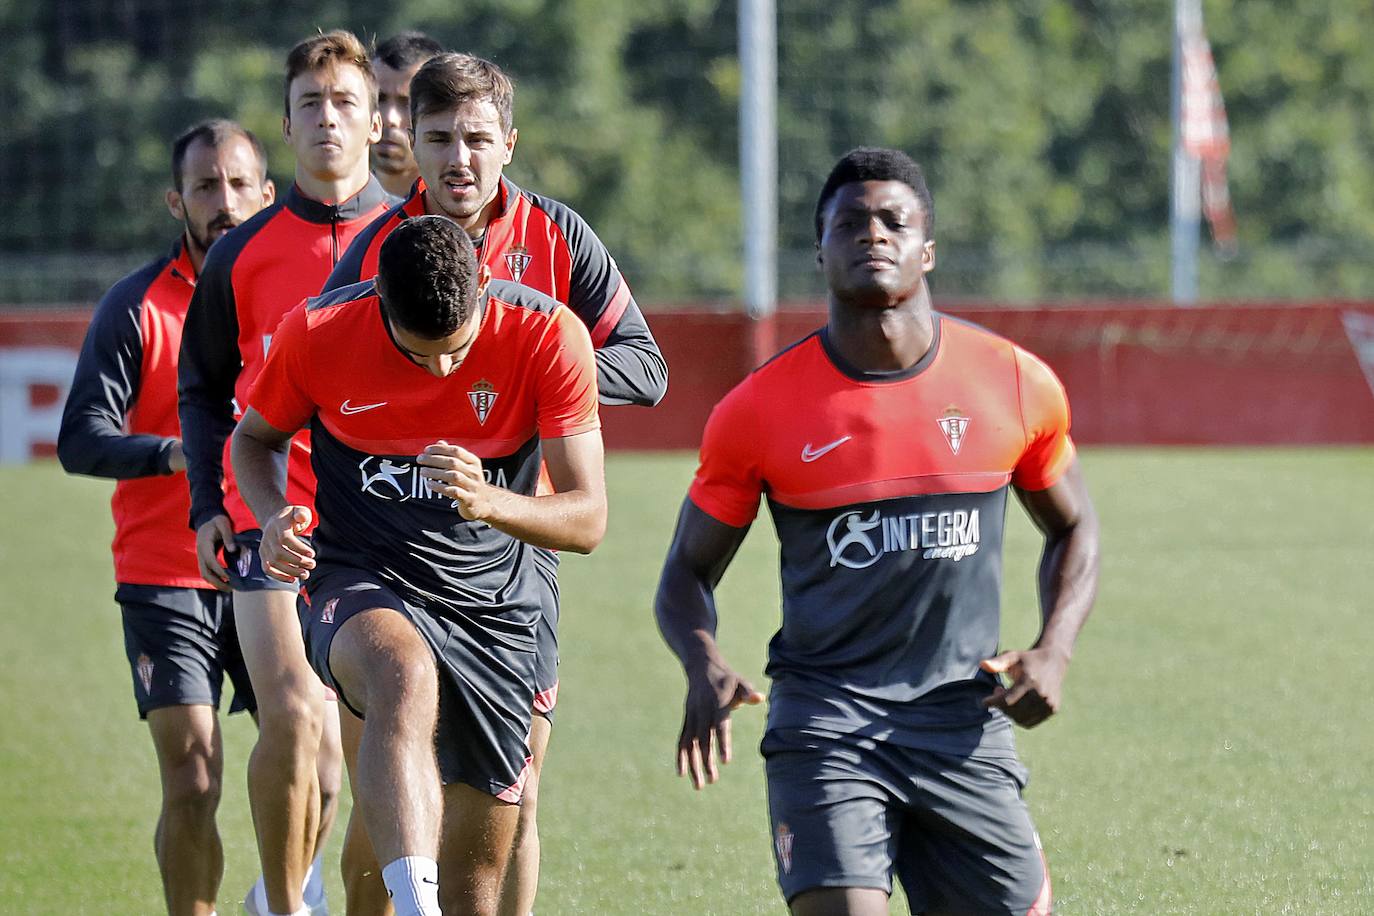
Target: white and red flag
{"type": "Point", "coordinates": [1204, 131]}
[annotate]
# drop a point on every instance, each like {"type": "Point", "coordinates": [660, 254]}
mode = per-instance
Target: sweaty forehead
{"type": "Point", "coordinates": [469, 116]}
{"type": "Point", "coordinates": [233, 156]}
{"type": "Point", "coordinates": [391, 81]}
{"type": "Point", "coordinates": [875, 195]}
{"type": "Point", "coordinates": [332, 78]}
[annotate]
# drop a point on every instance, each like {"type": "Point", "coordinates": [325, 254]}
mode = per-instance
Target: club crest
{"type": "Point", "coordinates": [518, 261]}
{"type": "Point", "coordinates": [482, 396]}
{"type": "Point", "coordinates": [955, 427]}
{"type": "Point", "coordinates": [784, 843]}
{"type": "Point", "coordinates": [327, 612]}
{"type": "Point", "coordinates": [145, 673]}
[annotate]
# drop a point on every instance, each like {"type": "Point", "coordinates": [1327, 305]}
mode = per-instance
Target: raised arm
{"type": "Point", "coordinates": [1068, 585]}
{"type": "Point", "coordinates": [685, 607]}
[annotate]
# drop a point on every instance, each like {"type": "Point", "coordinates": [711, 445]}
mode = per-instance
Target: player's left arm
{"type": "Point", "coordinates": [571, 518]}
{"type": "Point", "coordinates": [1049, 483]}
{"type": "Point", "coordinates": [1068, 585]}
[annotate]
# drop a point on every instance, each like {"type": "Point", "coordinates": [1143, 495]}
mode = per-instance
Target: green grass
{"type": "Point", "coordinates": [1214, 755]}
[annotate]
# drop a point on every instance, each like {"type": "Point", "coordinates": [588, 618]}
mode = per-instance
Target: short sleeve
{"type": "Point", "coordinates": [729, 480]}
{"type": "Point", "coordinates": [1045, 418]}
{"type": "Point", "coordinates": [280, 393]}
{"type": "Point", "coordinates": [567, 386]}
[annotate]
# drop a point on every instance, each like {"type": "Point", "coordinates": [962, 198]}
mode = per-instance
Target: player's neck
{"type": "Point", "coordinates": [877, 339]}
{"type": "Point", "coordinates": [194, 252]}
{"type": "Point", "coordinates": [332, 190]}
{"type": "Point", "coordinates": [397, 184]}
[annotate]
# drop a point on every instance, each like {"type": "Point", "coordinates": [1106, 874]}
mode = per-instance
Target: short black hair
{"type": "Point", "coordinates": [427, 269]}
{"type": "Point", "coordinates": [875, 164]}
{"type": "Point", "coordinates": [406, 49]}
{"type": "Point", "coordinates": [214, 132]}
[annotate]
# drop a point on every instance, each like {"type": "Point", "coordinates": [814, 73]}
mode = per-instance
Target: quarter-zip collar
{"type": "Point", "coordinates": [372, 195]}
{"type": "Point", "coordinates": [181, 266]}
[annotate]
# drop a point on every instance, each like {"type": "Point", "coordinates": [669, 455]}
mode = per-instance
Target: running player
{"type": "Point", "coordinates": [464, 132]}
{"type": "Point", "coordinates": [886, 443]}
{"type": "Point", "coordinates": [120, 421]}
{"type": "Point", "coordinates": [423, 588]}
{"type": "Point", "coordinates": [253, 277]}
{"type": "Point", "coordinates": [395, 61]}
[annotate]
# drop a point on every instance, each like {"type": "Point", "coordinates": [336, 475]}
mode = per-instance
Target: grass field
{"type": "Point", "coordinates": [1214, 756]}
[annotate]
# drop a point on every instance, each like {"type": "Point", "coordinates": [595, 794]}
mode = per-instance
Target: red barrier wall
{"type": "Point", "coordinates": [1238, 374]}
{"type": "Point", "coordinates": [1241, 374]}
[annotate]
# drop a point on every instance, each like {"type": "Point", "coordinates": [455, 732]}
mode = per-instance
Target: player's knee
{"type": "Point", "coordinates": [192, 788]}
{"type": "Point", "coordinates": [409, 677]}
{"type": "Point", "coordinates": [293, 719]}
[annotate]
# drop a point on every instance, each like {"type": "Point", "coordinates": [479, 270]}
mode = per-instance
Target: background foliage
{"type": "Point", "coordinates": [1043, 125]}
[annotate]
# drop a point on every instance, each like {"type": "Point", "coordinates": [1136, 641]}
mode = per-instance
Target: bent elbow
{"type": "Point", "coordinates": [73, 457]}
{"type": "Point", "coordinates": [590, 535]}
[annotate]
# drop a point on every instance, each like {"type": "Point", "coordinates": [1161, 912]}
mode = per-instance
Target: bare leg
{"type": "Point", "coordinates": [522, 877]}
{"type": "Point", "coordinates": [329, 771]}
{"type": "Point", "coordinates": [364, 891]}
{"type": "Point", "coordinates": [841, 901]}
{"type": "Point", "coordinates": [190, 760]}
{"type": "Point", "coordinates": [387, 670]}
{"type": "Point", "coordinates": [479, 830]}
{"type": "Point", "coordinates": [283, 785]}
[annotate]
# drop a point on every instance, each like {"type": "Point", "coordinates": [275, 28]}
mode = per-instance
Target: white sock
{"type": "Point", "coordinates": [259, 894]}
{"type": "Point", "coordinates": [413, 883]}
{"type": "Point", "coordinates": [313, 891]}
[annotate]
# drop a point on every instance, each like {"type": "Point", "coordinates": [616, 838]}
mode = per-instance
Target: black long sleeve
{"type": "Point", "coordinates": [93, 439]}
{"type": "Point", "coordinates": [209, 366]}
{"type": "Point", "coordinates": [630, 368]}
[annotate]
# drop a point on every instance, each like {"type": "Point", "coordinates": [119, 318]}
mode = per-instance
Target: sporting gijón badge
{"type": "Point", "coordinates": [954, 425]}
{"type": "Point", "coordinates": [482, 396]}
{"type": "Point", "coordinates": [517, 261]}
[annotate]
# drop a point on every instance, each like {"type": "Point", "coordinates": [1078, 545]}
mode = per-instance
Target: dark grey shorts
{"type": "Point", "coordinates": [245, 566]}
{"type": "Point", "coordinates": [181, 644]}
{"type": "Point", "coordinates": [486, 680]}
{"type": "Point", "coordinates": [853, 812]}
{"type": "Point", "coordinates": [546, 634]}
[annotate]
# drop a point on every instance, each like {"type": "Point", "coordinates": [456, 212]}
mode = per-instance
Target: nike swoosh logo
{"type": "Point", "coordinates": [810, 454]}
{"type": "Point", "coordinates": [348, 409]}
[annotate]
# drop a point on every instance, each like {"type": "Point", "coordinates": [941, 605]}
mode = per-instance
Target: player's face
{"type": "Point", "coordinates": [440, 358]}
{"type": "Point", "coordinates": [221, 186]}
{"type": "Point", "coordinates": [873, 247]}
{"type": "Point", "coordinates": [461, 153]}
{"type": "Point", "coordinates": [391, 154]}
{"type": "Point", "coordinates": [331, 122]}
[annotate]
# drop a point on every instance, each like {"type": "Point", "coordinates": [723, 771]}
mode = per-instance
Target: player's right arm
{"type": "Point", "coordinates": [714, 519]}
{"type": "Point", "coordinates": [207, 368]}
{"type": "Point", "coordinates": [92, 439]}
{"type": "Point", "coordinates": [278, 406]}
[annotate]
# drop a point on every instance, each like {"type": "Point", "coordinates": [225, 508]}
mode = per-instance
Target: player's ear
{"type": "Point", "coordinates": [928, 257]}
{"type": "Point", "coordinates": [483, 278]}
{"type": "Point", "coordinates": [286, 129]}
{"type": "Point", "coordinates": [510, 145]}
{"type": "Point", "coordinates": [175, 205]}
{"type": "Point", "coordinates": [269, 192]}
{"type": "Point", "coordinates": [375, 132]}
{"type": "Point", "coordinates": [820, 258]}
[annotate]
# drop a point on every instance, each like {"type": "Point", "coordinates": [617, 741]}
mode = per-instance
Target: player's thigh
{"type": "Point", "coordinates": [840, 901]}
{"type": "Point", "coordinates": [478, 831]}
{"type": "Point", "coordinates": [833, 821]}
{"type": "Point", "coordinates": [969, 846]}
{"type": "Point", "coordinates": [171, 641]}
{"type": "Point", "coordinates": [269, 631]}
{"type": "Point", "coordinates": [379, 653]}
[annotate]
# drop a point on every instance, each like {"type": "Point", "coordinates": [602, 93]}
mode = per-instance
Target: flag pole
{"type": "Point", "coordinates": [1185, 199]}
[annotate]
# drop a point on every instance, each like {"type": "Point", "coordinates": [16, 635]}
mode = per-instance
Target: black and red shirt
{"type": "Point", "coordinates": [888, 492]}
{"type": "Point", "coordinates": [120, 420]}
{"type": "Point", "coordinates": [547, 246]}
{"type": "Point", "coordinates": [529, 375]}
{"type": "Point", "coordinates": [251, 278]}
